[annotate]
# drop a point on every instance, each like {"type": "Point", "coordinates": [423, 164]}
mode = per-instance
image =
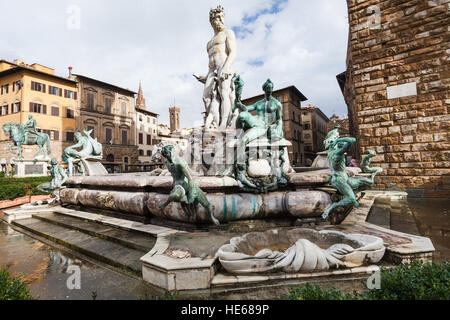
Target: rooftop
{"type": "Point", "coordinates": [290, 88]}
{"type": "Point", "coordinates": [23, 67]}
{"type": "Point", "coordinates": [105, 84]}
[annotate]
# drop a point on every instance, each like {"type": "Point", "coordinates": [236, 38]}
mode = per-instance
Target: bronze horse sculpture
{"type": "Point", "coordinates": [18, 136]}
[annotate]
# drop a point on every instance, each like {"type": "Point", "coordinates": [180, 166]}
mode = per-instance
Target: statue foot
{"type": "Point", "coordinates": [215, 221]}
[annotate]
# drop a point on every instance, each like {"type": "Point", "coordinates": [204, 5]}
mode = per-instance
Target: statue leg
{"type": "Point", "coordinates": [350, 198]}
{"type": "Point", "coordinates": [205, 204]}
{"type": "Point", "coordinates": [208, 99]}
{"type": "Point", "coordinates": [225, 93]}
{"type": "Point", "coordinates": [248, 137]}
{"type": "Point", "coordinates": [177, 195]}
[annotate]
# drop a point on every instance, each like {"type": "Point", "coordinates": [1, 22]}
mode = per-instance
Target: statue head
{"type": "Point", "coordinates": [332, 136]}
{"type": "Point", "coordinates": [78, 135]}
{"type": "Point", "coordinates": [268, 87]}
{"type": "Point", "coordinates": [167, 152]}
{"type": "Point", "coordinates": [30, 116]}
{"type": "Point", "coordinates": [217, 18]}
{"type": "Point", "coordinates": [54, 161]}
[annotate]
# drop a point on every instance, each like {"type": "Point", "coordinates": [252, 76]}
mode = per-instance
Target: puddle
{"type": "Point", "coordinates": [47, 272]}
{"type": "Point", "coordinates": [432, 217]}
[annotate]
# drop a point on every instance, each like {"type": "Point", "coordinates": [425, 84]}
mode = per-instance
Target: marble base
{"type": "Point", "coordinates": [31, 168]}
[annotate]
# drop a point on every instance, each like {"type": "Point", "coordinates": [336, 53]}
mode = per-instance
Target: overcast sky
{"type": "Point", "coordinates": [162, 42]}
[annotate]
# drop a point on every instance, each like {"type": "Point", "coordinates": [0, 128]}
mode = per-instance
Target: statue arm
{"type": "Point", "coordinates": [231, 48]}
{"type": "Point", "coordinates": [348, 143]}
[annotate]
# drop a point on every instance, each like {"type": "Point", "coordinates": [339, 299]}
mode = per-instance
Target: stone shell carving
{"type": "Point", "coordinates": [299, 250]}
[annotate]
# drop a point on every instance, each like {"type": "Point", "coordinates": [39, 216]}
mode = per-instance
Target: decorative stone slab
{"type": "Point", "coordinates": [177, 274]}
{"type": "Point", "coordinates": [129, 202]}
{"type": "Point", "coordinates": [227, 280]}
{"type": "Point", "coordinates": [147, 181]}
{"type": "Point", "coordinates": [242, 206]}
{"type": "Point", "coordinates": [152, 230]}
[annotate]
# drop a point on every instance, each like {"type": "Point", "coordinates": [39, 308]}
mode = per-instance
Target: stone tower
{"type": "Point", "coordinates": [174, 119]}
{"type": "Point", "coordinates": [140, 101]}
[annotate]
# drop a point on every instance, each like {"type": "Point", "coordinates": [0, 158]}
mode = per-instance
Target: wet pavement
{"type": "Point", "coordinates": [47, 272]}
{"type": "Point", "coordinates": [432, 217]}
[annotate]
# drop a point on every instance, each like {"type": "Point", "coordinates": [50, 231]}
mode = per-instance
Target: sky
{"type": "Point", "coordinates": [163, 42]}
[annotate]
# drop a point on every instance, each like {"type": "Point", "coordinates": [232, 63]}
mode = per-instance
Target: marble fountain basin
{"type": "Point", "coordinates": [299, 251]}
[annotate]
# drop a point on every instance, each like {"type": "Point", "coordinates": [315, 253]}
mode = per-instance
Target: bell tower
{"type": "Point", "coordinates": [174, 114]}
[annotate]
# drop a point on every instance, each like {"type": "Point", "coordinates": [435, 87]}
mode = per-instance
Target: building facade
{"type": "Point", "coordinates": [397, 87]}
{"type": "Point", "coordinates": [315, 125]}
{"type": "Point", "coordinates": [109, 111]}
{"type": "Point", "coordinates": [146, 128]}
{"type": "Point", "coordinates": [51, 100]}
{"type": "Point", "coordinates": [291, 98]}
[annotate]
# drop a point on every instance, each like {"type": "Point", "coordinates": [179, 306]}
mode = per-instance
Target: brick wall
{"type": "Point", "coordinates": [392, 43]}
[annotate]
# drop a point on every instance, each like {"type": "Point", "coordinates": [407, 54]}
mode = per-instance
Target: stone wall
{"type": "Point", "coordinates": [398, 87]}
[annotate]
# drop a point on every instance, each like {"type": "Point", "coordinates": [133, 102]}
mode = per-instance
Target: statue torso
{"type": "Point", "coordinates": [217, 50]}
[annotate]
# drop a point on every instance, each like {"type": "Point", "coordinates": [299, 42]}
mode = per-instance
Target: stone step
{"type": "Point", "coordinates": [105, 251]}
{"type": "Point", "coordinates": [130, 239]}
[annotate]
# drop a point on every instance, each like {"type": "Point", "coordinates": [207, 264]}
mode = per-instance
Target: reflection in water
{"type": "Point", "coordinates": [44, 270]}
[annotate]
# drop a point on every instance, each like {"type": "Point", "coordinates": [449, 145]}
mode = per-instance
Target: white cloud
{"type": "Point", "coordinates": [162, 42]}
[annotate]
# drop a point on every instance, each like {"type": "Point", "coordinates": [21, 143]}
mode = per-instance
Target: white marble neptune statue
{"type": "Point", "coordinates": [219, 93]}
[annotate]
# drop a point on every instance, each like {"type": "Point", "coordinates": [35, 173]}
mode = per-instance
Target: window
{"type": "Point", "coordinates": [149, 153]}
{"type": "Point", "coordinates": [148, 119]}
{"type": "Point", "coordinates": [38, 108]}
{"type": "Point", "coordinates": [70, 136]}
{"type": "Point", "coordinates": [55, 91]}
{"type": "Point", "coordinates": [108, 106]}
{"type": "Point", "coordinates": [108, 135]}
{"type": "Point", "coordinates": [36, 86]}
{"type": "Point", "coordinates": [140, 118]}
{"type": "Point", "coordinates": [70, 94]}
{"type": "Point", "coordinates": [90, 100]}
{"type": "Point", "coordinates": [124, 109]}
{"type": "Point", "coordinates": [5, 89]}
{"type": "Point", "coordinates": [70, 114]}
{"type": "Point", "coordinates": [17, 85]}
{"type": "Point", "coordinates": [149, 140]}
{"type": "Point", "coordinates": [307, 136]}
{"type": "Point", "coordinates": [15, 107]}
{"type": "Point", "coordinates": [55, 111]}
{"type": "Point", "coordinates": [124, 137]}
{"type": "Point", "coordinates": [141, 138]}
{"type": "Point", "coordinates": [89, 128]}
{"type": "Point", "coordinates": [141, 153]}
{"type": "Point", "coordinates": [307, 126]}
{"type": "Point", "coordinates": [53, 134]}
{"type": "Point", "coordinates": [154, 121]}
{"type": "Point", "coordinates": [4, 110]}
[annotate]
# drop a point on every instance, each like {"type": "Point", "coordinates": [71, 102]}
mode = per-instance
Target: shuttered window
{"type": "Point", "coordinates": [70, 114]}
{"type": "Point", "coordinates": [108, 135]}
{"type": "Point", "coordinates": [36, 86]}
{"type": "Point", "coordinates": [124, 137]}
{"type": "Point", "coordinates": [55, 111]}
{"type": "Point", "coordinates": [38, 108]}
{"type": "Point", "coordinates": [70, 136]}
